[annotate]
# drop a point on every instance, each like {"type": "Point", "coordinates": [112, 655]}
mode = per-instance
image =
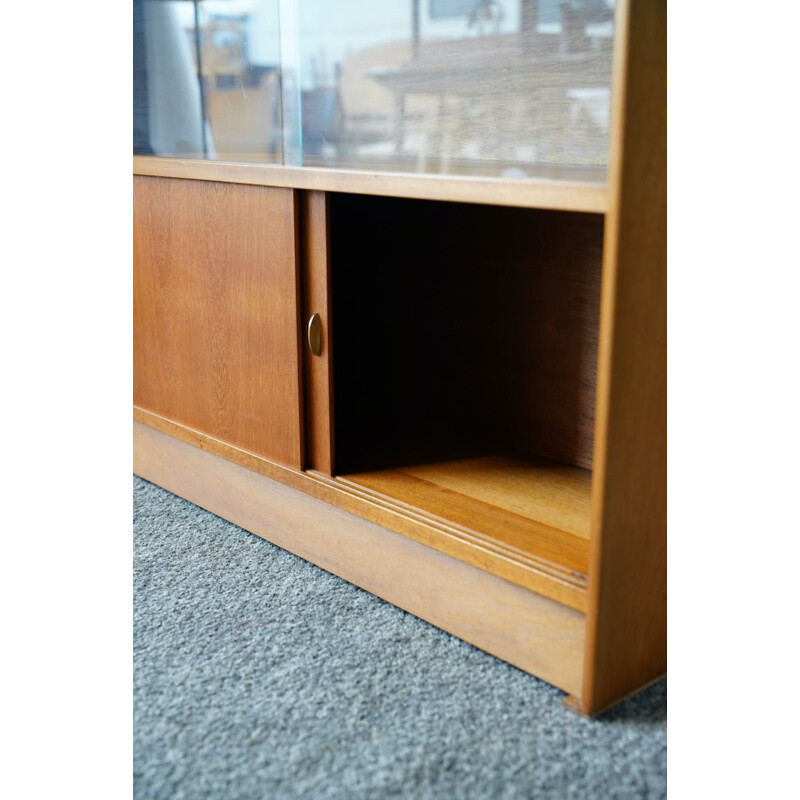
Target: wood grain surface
{"type": "Point", "coordinates": [317, 370]}
{"type": "Point", "coordinates": [545, 321]}
{"type": "Point", "coordinates": [540, 508]}
{"type": "Point", "coordinates": [532, 508]}
{"type": "Point", "coordinates": [548, 491]}
{"type": "Point", "coordinates": [489, 551]}
{"type": "Point", "coordinates": [215, 306]}
{"type": "Point", "coordinates": [559, 189]}
{"type": "Point", "coordinates": [463, 331]}
{"type": "Point", "coordinates": [626, 623]}
{"type": "Point", "coordinates": [532, 632]}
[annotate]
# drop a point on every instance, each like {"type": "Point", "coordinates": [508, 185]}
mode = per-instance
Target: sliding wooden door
{"type": "Point", "coordinates": [216, 326]}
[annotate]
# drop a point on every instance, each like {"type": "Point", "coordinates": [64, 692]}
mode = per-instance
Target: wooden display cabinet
{"type": "Point", "coordinates": [450, 391]}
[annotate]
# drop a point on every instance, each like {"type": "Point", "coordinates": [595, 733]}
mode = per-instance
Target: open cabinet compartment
{"type": "Point", "coordinates": [434, 445]}
{"type": "Point", "coordinates": [465, 363]}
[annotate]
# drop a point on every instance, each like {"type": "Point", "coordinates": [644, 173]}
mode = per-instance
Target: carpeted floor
{"type": "Point", "coordinates": [257, 675]}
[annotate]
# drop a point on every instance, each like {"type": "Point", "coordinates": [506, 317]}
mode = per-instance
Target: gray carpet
{"type": "Point", "coordinates": [257, 675]}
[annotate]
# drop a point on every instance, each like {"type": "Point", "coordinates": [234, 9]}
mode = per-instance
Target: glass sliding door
{"type": "Point", "coordinates": [500, 88]}
{"type": "Point", "coordinates": [207, 80]}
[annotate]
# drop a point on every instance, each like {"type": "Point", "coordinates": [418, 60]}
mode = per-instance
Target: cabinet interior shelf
{"type": "Point", "coordinates": [532, 507]}
{"type": "Point", "coordinates": [557, 188]}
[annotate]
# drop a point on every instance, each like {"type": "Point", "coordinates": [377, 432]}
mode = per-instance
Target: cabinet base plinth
{"type": "Point", "coordinates": [574, 704]}
{"type": "Point", "coordinates": [532, 632]}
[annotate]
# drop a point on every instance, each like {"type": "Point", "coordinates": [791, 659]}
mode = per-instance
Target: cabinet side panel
{"type": "Point", "coordinates": [215, 308]}
{"type": "Point", "coordinates": [627, 615]}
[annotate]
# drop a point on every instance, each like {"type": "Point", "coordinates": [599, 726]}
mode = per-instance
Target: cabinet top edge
{"type": "Point", "coordinates": [558, 195]}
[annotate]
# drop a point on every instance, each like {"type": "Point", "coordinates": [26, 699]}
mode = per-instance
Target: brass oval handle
{"type": "Point", "coordinates": [315, 334]}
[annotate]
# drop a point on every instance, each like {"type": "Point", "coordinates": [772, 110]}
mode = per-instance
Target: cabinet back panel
{"type": "Point", "coordinates": [462, 330]}
{"type": "Point", "coordinates": [215, 309]}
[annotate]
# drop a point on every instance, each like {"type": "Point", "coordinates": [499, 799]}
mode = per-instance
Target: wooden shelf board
{"type": "Point", "coordinates": [538, 559]}
{"type": "Point", "coordinates": [536, 507]}
{"type": "Point", "coordinates": [586, 195]}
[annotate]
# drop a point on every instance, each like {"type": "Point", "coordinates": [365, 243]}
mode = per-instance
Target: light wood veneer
{"type": "Point", "coordinates": [215, 304]}
{"type": "Point", "coordinates": [527, 333]}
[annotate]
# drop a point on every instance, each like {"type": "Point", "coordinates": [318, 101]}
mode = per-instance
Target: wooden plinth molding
{"type": "Point", "coordinates": [532, 632]}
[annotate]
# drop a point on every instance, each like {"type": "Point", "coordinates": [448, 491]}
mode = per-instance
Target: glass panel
{"type": "Point", "coordinates": [507, 88]}
{"type": "Point", "coordinates": [206, 79]}
{"type": "Point", "coordinates": [495, 87]}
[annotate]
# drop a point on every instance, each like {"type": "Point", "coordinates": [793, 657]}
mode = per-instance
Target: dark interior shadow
{"type": "Point", "coordinates": [462, 331]}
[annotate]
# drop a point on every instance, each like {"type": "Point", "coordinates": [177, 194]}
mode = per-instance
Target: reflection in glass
{"type": "Point", "coordinates": [509, 88]}
{"type": "Point", "coordinates": [206, 79]}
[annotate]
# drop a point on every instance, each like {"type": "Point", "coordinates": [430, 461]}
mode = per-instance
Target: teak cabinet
{"type": "Point", "coordinates": [448, 390]}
